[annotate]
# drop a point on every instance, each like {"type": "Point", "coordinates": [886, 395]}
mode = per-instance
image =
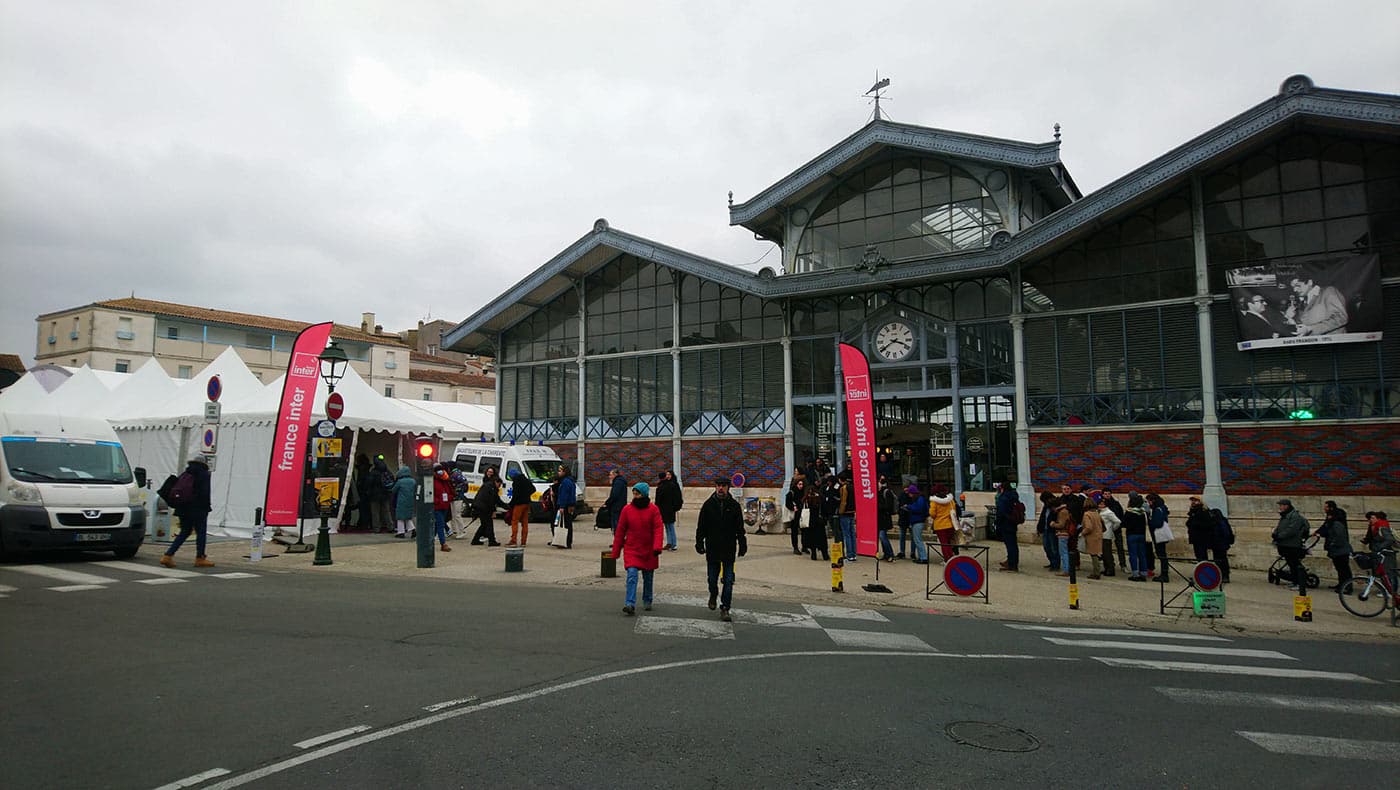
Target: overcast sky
{"type": "Point", "coordinates": [315, 160]}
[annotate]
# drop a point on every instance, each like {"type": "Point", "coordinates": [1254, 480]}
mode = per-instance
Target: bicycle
{"type": "Point", "coordinates": [1369, 595]}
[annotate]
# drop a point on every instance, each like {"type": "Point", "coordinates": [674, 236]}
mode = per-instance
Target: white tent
{"type": "Point", "coordinates": [25, 395]}
{"type": "Point", "coordinates": [184, 406]}
{"type": "Point", "coordinates": [461, 420]}
{"type": "Point", "coordinates": [81, 395]}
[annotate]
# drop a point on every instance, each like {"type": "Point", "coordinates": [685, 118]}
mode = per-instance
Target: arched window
{"type": "Point", "coordinates": [908, 207]}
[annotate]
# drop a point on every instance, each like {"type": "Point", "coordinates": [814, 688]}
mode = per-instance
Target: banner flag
{"type": "Point", "coordinates": [860, 430]}
{"type": "Point", "coordinates": [289, 444]}
{"type": "Point", "coordinates": [1307, 301]}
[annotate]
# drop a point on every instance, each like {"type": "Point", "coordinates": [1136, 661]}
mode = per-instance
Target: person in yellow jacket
{"type": "Point", "coordinates": [940, 516]}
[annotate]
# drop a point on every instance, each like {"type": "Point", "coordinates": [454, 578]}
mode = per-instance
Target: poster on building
{"type": "Point", "coordinates": [1307, 301]}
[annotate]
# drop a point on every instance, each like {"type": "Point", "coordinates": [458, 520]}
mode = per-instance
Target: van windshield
{"type": "Point", "coordinates": [49, 460]}
{"type": "Point", "coordinates": [541, 471]}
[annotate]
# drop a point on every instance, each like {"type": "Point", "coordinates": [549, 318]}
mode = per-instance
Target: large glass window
{"type": "Point", "coordinates": [550, 333]}
{"type": "Point", "coordinates": [732, 390]}
{"type": "Point", "coordinates": [629, 307]}
{"type": "Point", "coordinates": [906, 207]}
{"type": "Point", "coordinates": [629, 396]}
{"type": "Point", "coordinates": [712, 313]}
{"type": "Point", "coordinates": [1145, 257]}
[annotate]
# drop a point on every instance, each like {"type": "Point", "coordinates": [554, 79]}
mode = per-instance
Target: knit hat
{"type": "Point", "coordinates": [912, 490]}
{"type": "Point", "coordinates": [642, 488]}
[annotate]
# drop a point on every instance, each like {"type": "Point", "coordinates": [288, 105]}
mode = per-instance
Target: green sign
{"type": "Point", "coordinates": [1208, 604]}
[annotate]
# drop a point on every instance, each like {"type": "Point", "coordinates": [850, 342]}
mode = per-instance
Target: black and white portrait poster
{"type": "Point", "coordinates": [1307, 301]}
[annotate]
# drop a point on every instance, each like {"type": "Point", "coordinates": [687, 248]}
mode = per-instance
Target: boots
{"type": "Point", "coordinates": [167, 560]}
{"type": "Point", "coordinates": [201, 562]}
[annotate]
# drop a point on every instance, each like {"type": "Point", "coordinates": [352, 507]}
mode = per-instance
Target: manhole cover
{"type": "Point", "coordinates": [995, 737]}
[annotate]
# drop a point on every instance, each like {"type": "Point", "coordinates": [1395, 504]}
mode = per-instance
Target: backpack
{"type": "Point", "coordinates": [182, 492]}
{"type": "Point", "coordinates": [386, 480]}
{"type": "Point", "coordinates": [164, 491]}
{"type": "Point", "coordinates": [1018, 513]}
{"type": "Point", "coordinates": [547, 500]}
{"type": "Point", "coordinates": [1223, 531]}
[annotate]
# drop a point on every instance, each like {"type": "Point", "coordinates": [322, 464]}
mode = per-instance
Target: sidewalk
{"type": "Point", "coordinates": [771, 571]}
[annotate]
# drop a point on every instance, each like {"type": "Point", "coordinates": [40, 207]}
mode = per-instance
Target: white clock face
{"type": "Point", "coordinates": [894, 341]}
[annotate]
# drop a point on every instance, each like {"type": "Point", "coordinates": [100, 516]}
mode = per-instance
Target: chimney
{"type": "Point", "coordinates": [366, 321]}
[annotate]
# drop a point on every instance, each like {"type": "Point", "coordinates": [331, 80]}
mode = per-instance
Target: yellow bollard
{"type": "Point", "coordinates": [837, 564]}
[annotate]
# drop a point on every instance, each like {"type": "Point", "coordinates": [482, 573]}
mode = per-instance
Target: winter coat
{"type": "Point", "coordinates": [521, 490]}
{"type": "Point", "coordinates": [831, 501]}
{"type": "Point", "coordinates": [1157, 518]}
{"type": "Point", "coordinates": [1334, 535]}
{"type": "Point", "coordinates": [568, 493]}
{"type": "Point", "coordinates": [202, 501]}
{"type": "Point", "coordinates": [940, 512]}
{"type": "Point", "coordinates": [1379, 537]}
{"type": "Point", "coordinates": [404, 489]}
{"type": "Point", "coordinates": [379, 491]}
{"type": "Point", "coordinates": [1292, 530]}
{"type": "Point", "coordinates": [1091, 528]}
{"type": "Point", "coordinates": [488, 497]}
{"type": "Point", "coordinates": [1134, 521]}
{"type": "Point", "coordinates": [640, 536]}
{"type": "Point", "coordinates": [1111, 522]}
{"type": "Point", "coordinates": [1062, 522]}
{"type": "Point", "coordinates": [1200, 528]}
{"type": "Point", "coordinates": [443, 494]}
{"type": "Point", "coordinates": [918, 510]}
{"type": "Point", "coordinates": [888, 505]}
{"type": "Point", "coordinates": [719, 530]}
{"type": "Point", "coordinates": [794, 501]}
{"type": "Point", "coordinates": [1006, 502]}
{"type": "Point", "coordinates": [846, 499]}
{"type": "Point", "coordinates": [668, 500]}
{"type": "Point", "coordinates": [617, 495]}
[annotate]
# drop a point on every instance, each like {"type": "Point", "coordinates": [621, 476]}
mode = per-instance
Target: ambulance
{"type": "Point", "coordinates": [539, 463]}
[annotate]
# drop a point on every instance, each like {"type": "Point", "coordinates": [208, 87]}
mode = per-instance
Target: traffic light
{"type": "Point", "coordinates": [425, 449]}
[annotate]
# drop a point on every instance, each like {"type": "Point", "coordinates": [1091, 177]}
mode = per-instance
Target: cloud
{"type": "Point", "coordinates": [467, 102]}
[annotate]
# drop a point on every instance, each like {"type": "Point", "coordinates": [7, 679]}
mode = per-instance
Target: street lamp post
{"type": "Point", "coordinates": [333, 362]}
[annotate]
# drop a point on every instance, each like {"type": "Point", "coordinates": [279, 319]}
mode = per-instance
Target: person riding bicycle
{"type": "Point", "coordinates": [1381, 540]}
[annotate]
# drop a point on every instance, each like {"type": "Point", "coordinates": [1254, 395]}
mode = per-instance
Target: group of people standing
{"type": "Point", "coordinates": [821, 508]}
{"type": "Point", "coordinates": [1291, 535]}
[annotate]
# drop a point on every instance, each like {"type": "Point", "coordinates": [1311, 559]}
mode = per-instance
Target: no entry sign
{"type": "Point", "coordinates": [335, 406]}
{"type": "Point", "coordinates": [1206, 575]}
{"type": "Point", "coordinates": [964, 575]}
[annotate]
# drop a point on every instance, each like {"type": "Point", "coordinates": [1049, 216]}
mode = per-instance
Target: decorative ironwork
{"type": "Point", "coordinates": [1116, 408]}
{"type": "Point", "coordinates": [871, 261]}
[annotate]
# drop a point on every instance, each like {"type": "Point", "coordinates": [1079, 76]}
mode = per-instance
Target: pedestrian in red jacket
{"type": "Point", "coordinates": [639, 540]}
{"type": "Point", "coordinates": [442, 503]}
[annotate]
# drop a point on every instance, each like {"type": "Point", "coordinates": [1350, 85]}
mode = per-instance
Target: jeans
{"type": "Point", "coordinates": [632, 586]}
{"type": "Point", "coordinates": [919, 550]}
{"type": "Point", "coordinates": [1137, 554]}
{"type": "Point", "coordinates": [1013, 549]}
{"type": "Point", "coordinates": [670, 532]}
{"type": "Point", "coordinates": [198, 523]}
{"type": "Point", "coordinates": [440, 525]}
{"type": "Point", "coordinates": [885, 544]}
{"type": "Point", "coordinates": [848, 536]}
{"type": "Point", "coordinates": [1052, 551]}
{"type": "Point", "coordinates": [904, 532]}
{"type": "Point", "coordinates": [1062, 541]}
{"type": "Point", "coordinates": [717, 571]}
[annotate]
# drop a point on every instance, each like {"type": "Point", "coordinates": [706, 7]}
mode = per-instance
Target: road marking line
{"type": "Point", "coordinates": [1252, 699]}
{"type": "Point", "coordinates": [330, 736]}
{"type": "Point", "coordinates": [685, 626]}
{"type": "Point", "coordinates": [161, 581]}
{"type": "Point", "coordinates": [235, 575]}
{"type": "Point", "coordinates": [1320, 746]}
{"type": "Point", "coordinates": [437, 706]}
{"type": "Point", "coordinates": [59, 574]}
{"type": "Point", "coordinates": [1116, 632]}
{"type": "Point", "coordinates": [876, 639]}
{"type": "Point", "coordinates": [1232, 669]}
{"type": "Point", "coordinates": [844, 613]}
{"type": "Point", "coordinates": [778, 619]}
{"type": "Point", "coordinates": [191, 781]}
{"type": "Point", "coordinates": [153, 570]}
{"type": "Point", "coordinates": [5, 588]}
{"type": "Point", "coordinates": [378, 735]}
{"type": "Point", "coordinates": [1240, 652]}
{"type": "Point", "coordinates": [681, 600]}
{"type": "Point", "coordinates": [78, 587]}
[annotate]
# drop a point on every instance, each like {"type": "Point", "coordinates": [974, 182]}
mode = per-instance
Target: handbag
{"type": "Point", "coordinates": [1163, 534]}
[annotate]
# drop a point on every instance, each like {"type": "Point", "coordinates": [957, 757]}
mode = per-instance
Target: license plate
{"type": "Point", "coordinates": [82, 537]}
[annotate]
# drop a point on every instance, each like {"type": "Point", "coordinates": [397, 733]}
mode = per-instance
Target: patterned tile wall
{"type": "Point", "coordinates": [1167, 461]}
{"type": "Point", "coordinates": [568, 453]}
{"type": "Point", "coordinates": [760, 460]}
{"type": "Point", "coordinates": [640, 461]}
{"type": "Point", "coordinates": [1351, 459]}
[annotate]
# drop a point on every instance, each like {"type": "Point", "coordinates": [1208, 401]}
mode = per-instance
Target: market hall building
{"type": "Point", "coordinates": [1016, 329]}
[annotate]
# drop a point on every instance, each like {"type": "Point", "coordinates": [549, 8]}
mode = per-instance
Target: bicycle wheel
{"type": "Point", "coordinates": [1363, 597]}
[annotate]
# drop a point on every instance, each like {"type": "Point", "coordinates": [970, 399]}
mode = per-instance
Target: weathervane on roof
{"type": "Point", "coordinates": [880, 84]}
{"type": "Point", "coordinates": [1057, 132]}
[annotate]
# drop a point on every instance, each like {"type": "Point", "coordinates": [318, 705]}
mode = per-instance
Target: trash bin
{"type": "Point", "coordinates": [607, 566]}
{"type": "Point", "coordinates": [515, 560]}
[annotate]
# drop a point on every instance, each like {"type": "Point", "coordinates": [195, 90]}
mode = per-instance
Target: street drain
{"type": "Point", "coordinates": [994, 737]}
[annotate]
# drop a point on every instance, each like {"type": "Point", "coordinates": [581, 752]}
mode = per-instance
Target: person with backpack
{"type": "Point", "coordinates": [1225, 538]}
{"type": "Point", "coordinates": [190, 499]}
{"type": "Point", "coordinates": [401, 493]}
{"type": "Point", "coordinates": [1011, 513]}
{"type": "Point", "coordinates": [381, 495]}
{"type": "Point", "coordinates": [363, 492]}
{"type": "Point", "coordinates": [567, 501]}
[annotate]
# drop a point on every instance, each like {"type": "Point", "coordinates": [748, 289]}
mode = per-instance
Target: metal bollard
{"type": "Point", "coordinates": [515, 560]}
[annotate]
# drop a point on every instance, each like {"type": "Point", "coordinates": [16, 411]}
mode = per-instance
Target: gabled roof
{"type": "Point", "coordinates": [560, 273]}
{"type": "Point", "coordinates": [852, 153]}
{"type": "Point", "coordinates": [229, 318]}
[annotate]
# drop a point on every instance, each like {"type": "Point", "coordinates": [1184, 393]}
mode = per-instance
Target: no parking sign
{"type": "Point", "coordinates": [964, 575]}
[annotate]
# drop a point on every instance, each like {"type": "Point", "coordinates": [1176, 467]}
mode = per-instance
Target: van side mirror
{"type": "Point", "coordinates": [140, 473]}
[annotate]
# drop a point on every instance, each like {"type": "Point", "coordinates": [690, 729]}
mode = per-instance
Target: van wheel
{"type": "Point", "coordinates": [126, 553]}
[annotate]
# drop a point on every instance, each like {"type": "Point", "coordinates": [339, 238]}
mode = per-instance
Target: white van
{"type": "Point", "coordinates": [65, 485]}
{"type": "Point", "coordinates": [539, 463]}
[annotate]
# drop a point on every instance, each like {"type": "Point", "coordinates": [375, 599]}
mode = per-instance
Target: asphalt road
{"type": "Point", "coordinates": [433, 684]}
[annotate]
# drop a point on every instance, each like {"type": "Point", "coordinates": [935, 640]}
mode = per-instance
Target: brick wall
{"type": "Point", "coordinates": [1347, 459]}
{"type": "Point", "coordinates": [641, 461]}
{"type": "Point", "coordinates": [760, 460]}
{"type": "Point", "coordinates": [1168, 460]}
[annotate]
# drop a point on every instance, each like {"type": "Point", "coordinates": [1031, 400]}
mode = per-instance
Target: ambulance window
{"type": "Point", "coordinates": [490, 460]}
{"type": "Point", "coordinates": [467, 463]}
{"type": "Point", "coordinates": [511, 469]}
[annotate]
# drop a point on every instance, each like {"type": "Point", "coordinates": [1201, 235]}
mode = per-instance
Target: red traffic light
{"type": "Point", "coordinates": [425, 448]}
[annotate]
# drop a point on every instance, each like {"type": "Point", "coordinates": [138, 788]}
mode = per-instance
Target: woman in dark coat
{"type": "Point", "coordinates": [669, 502]}
{"type": "Point", "coordinates": [488, 499]}
{"type": "Point", "coordinates": [814, 523]}
{"type": "Point", "coordinates": [1335, 540]}
{"type": "Point", "coordinates": [796, 501]}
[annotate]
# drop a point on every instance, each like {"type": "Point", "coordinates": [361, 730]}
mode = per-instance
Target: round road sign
{"type": "Point", "coordinates": [737, 480]}
{"type": "Point", "coordinates": [1206, 574]}
{"type": "Point", "coordinates": [335, 406]}
{"type": "Point", "coordinates": [214, 388]}
{"type": "Point", "coordinates": [325, 428]}
{"type": "Point", "coordinates": [964, 575]}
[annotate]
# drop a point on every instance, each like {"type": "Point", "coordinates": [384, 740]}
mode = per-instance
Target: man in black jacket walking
{"type": "Point", "coordinates": [719, 535]}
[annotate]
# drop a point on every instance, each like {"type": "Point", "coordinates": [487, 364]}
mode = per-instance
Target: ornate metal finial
{"type": "Point", "coordinates": [731, 198]}
{"type": "Point", "coordinates": [872, 260]}
{"type": "Point", "coordinates": [880, 84]}
{"type": "Point", "coordinates": [1057, 132]}
{"type": "Point", "coordinates": [1298, 83]}
{"type": "Point", "coordinates": [600, 225]}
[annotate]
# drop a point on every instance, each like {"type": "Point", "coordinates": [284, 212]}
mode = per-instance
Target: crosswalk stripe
{"type": "Point", "coordinates": [235, 575]}
{"type": "Point", "coordinates": [685, 626]}
{"type": "Point", "coordinates": [1232, 669]}
{"type": "Point", "coordinates": [1240, 652]}
{"type": "Point", "coordinates": [1321, 746]}
{"type": "Point", "coordinates": [681, 600]}
{"type": "Point", "coordinates": [877, 639]}
{"type": "Point", "coordinates": [161, 581]}
{"type": "Point", "coordinates": [844, 613]}
{"type": "Point", "coordinates": [1249, 699]}
{"type": "Point", "coordinates": [78, 587]}
{"type": "Point", "coordinates": [5, 588]}
{"type": "Point", "coordinates": [60, 574]}
{"type": "Point", "coordinates": [778, 619]}
{"type": "Point", "coordinates": [152, 570]}
{"type": "Point", "coordinates": [330, 736]}
{"type": "Point", "coordinates": [1117, 632]}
